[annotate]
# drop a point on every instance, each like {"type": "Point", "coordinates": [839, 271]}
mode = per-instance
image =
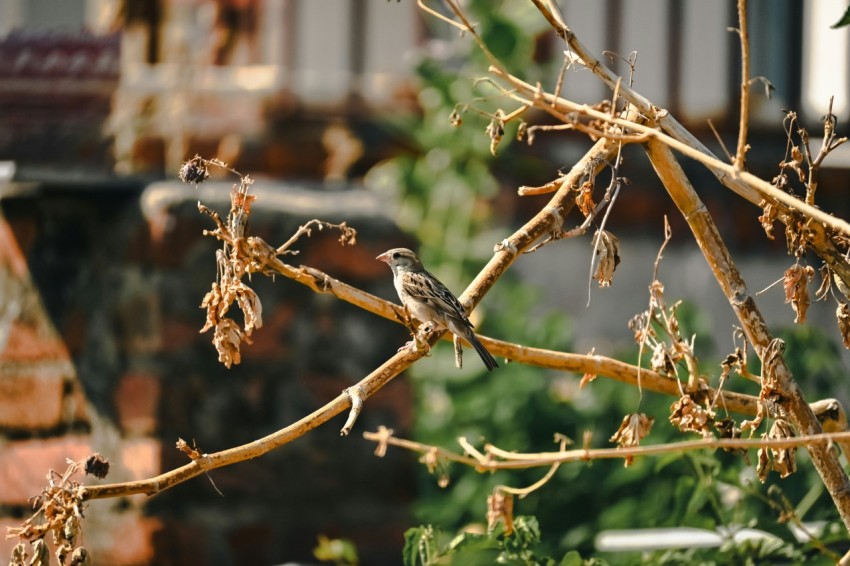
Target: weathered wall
{"type": "Point", "coordinates": [100, 351]}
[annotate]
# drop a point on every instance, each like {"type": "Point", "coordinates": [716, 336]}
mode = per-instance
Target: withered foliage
{"type": "Point", "coordinates": [195, 171]}
{"type": "Point", "coordinates": [781, 460]}
{"type": "Point", "coordinates": [796, 285]}
{"type": "Point", "coordinates": [500, 507]}
{"type": "Point", "coordinates": [59, 513]}
{"type": "Point", "coordinates": [607, 247]}
{"type": "Point", "coordinates": [239, 257]}
{"type": "Point", "coordinates": [584, 198]}
{"type": "Point", "coordinates": [496, 130]}
{"type": "Point", "coordinates": [689, 416]}
{"type": "Point", "coordinates": [634, 428]}
{"type": "Point", "coordinates": [768, 217]}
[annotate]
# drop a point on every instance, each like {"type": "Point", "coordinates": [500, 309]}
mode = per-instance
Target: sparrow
{"type": "Point", "coordinates": [429, 301]}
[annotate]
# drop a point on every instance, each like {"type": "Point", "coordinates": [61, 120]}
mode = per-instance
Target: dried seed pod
{"type": "Point", "coordinates": [194, 171]}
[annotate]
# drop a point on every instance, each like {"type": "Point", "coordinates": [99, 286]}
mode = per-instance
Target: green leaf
{"type": "Point", "coordinates": [420, 546]}
{"type": "Point", "coordinates": [572, 558]}
{"type": "Point", "coordinates": [845, 20]}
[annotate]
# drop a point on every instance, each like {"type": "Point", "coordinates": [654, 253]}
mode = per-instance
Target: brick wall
{"type": "Point", "coordinates": [100, 352]}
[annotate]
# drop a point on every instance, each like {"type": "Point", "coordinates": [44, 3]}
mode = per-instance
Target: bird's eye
{"type": "Point", "coordinates": [396, 255]}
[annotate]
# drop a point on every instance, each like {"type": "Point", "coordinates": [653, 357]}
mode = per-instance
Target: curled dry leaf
{"type": "Point", "coordinates": [496, 130]}
{"type": "Point", "coordinates": [584, 198]}
{"type": "Point", "coordinates": [737, 360]}
{"type": "Point", "coordinates": [211, 302]}
{"type": "Point", "coordinates": [795, 239]}
{"type": "Point", "coordinates": [607, 247]}
{"type": "Point", "coordinates": [251, 307]}
{"type": "Point", "coordinates": [770, 383]}
{"type": "Point", "coordinates": [662, 361]}
{"type": "Point", "coordinates": [639, 325]}
{"type": "Point", "coordinates": [842, 313]}
{"type": "Point", "coordinates": [796, 282]}
{"type": "Point", "coordinates": [226, 339]}
{"type": "Point", "coordinates": [825, 282]}
{"type": "Point", "coordinates": [767, 218]}
{"type": "Point", "coordinates": [781, 460]}
{"type": "Point", "coordinates": [632, 430]}
{"type": "Point", "coordinates": [688, 416]}
{"type": "Point", "coordinates": [522, 130]}
{"type": "Point", "coordinates": [500, 506]}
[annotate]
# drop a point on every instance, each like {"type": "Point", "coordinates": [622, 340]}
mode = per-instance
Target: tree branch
{"type": "Point", "coordinates": [789, 396]}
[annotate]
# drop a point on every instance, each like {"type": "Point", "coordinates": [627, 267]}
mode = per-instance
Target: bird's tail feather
{"type": "Point", "coordinates": [486, 357]}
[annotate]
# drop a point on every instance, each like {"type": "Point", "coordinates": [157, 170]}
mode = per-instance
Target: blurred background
{"type": "Point", "coordinates": [340, 110]}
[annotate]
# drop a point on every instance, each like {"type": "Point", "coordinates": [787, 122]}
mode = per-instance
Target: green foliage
{"type": "Point", "coordinates": [430, 546]}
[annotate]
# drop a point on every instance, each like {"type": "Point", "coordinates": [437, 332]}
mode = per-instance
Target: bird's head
{"type": "Point", "coordinates": [400, 259]}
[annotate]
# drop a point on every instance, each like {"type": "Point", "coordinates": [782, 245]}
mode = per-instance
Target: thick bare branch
{"type": "Point", "coordinates": [789, 396]}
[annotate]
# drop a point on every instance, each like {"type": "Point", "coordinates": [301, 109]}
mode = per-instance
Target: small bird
{"type": "Point", "coordinates": [429, 301]}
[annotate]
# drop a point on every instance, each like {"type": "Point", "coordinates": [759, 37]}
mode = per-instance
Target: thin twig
{"type": "Point", "coordinates": [516, 460]}
{"type": "Point", "coordinates": [741, 154]}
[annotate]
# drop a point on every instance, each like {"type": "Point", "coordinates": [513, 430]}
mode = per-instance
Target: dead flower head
{"type": "Point", "coordinates": [632, 430]}
{"type": "Point", "coordinates": [194, 171]}
{"type": "Point", "coordinates": [688, 416]}
{"type": "Point", "coordinates": [96, 465]}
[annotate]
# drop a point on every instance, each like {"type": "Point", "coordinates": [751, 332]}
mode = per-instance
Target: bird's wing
{"type": "Point", "coordinates": [424, 287]}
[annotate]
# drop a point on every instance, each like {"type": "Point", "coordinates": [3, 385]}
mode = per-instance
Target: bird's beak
{"type": "Point", "coordinates": [384, 257]}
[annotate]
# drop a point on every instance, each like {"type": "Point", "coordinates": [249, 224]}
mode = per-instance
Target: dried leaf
{"type": "Point", "coordinates": [500, 506]}
{"type": "Point", "coordinates": [842, 313]}
{"type": "Point", "coordinates": [586, 378]}
{"type": "Point", "coordinates": [825, 282]}
{"type": "Point", "coordinates": [639, 325]}
{"type": "Point", "coordinates": [521, 130]}
{"type": "Point", "coordinates": [226, 339]}
{"type": "Point", "coordinates": [496, 130]}
{"type": "Point", "coordinates": [633, 429]}
{"type": "Point", "coordinates": [688, 416]}
{"type": "Point", "coordinates": [796, 283]}
{"type": "Point", "coordinates": [794, 238]}
{"type": "Point", "coordinates": [584, 198]}
{"type": "Point", "coordinates": [662, 361]}
{"type": "Point", "coordinates": [607, 247]}
{"type": "Point", "coordinates": [781, 460]}
{"type": "Point", "coordinates": [767, 218]}
{"type": "Point", "coordinates": [251, 307]}
{"type": "Point", "coordinates": [770, 384]}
